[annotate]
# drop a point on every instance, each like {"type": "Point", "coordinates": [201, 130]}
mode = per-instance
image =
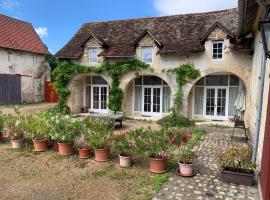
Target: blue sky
{"type": "Point", "coordinates": [56, 21]}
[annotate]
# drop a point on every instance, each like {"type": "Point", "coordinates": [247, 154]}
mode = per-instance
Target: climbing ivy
{"type": "Point", "coordinates": [183, 73]}
{"type": "Point", "coordinates": [65, 70]}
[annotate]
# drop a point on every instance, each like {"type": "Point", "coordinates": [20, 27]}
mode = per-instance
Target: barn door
{"type": "Point", "coordinates": [265, 167]}
{"type": "Point", "coordinates": [10, 89]}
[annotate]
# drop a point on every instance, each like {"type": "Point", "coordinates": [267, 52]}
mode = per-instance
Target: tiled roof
{"type": "Point", "coordinates": [20, 35]}
{"type": "Point", "coordinates": [177, 33]}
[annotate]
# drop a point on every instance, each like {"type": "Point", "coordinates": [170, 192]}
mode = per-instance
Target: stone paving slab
{"type": "Point", "coordinates": [206, 184]}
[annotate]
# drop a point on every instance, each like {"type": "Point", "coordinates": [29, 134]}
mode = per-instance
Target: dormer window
{"type": "Point", "coordinates": [147, 54]}
{"type": "Point", "coordinates": [218, 50]}
{"type": "Point", "coordinates": [93, 55]}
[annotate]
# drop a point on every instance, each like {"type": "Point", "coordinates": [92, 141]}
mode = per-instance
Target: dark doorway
{"type": "Point", "coordinates": [10, 89]}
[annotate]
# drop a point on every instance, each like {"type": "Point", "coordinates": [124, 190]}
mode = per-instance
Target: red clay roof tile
{"type": "Point", "coordinates": [20, 35]}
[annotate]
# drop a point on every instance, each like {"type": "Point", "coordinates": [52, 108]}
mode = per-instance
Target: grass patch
{"type": "Point", "coordinates": [159, 180]}
{"type": "Point", "coordinates": [99, 173]}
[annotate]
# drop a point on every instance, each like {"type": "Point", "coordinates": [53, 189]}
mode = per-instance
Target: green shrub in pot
{"type": "Point", "coordinates": [65, 132]}
{"type": "Point", "coordinates": [154, 145]}
{"type": "Point", "coordinates": [236, 166]}
{"type": "Point", "coordinates": [16, 126]}
{"type": "Point", "coordinates": [124, 146]}
{"type": "Point", "coordinates": [38, 129]}
{"type": "Point", "coordinates": [99, 135]}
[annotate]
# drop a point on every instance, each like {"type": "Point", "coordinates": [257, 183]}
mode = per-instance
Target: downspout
{"type": "Point", "coordinates": [259, 110]}
{"type": "Point", "coordinates": [260, 102]}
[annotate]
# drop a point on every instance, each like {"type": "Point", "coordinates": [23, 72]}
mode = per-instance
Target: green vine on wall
{"type": "Point", "coordinates": [183, 73]}
{"type": "Point", "coordinates": [66, 70]}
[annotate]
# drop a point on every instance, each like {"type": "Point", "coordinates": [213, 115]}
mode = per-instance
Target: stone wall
{"type": "Point", "coordinates": [32, 68]}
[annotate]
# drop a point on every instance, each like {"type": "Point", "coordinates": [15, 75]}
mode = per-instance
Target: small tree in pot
{"type": "Point", "coordinates": [154, 145]}
{"type": "Point", "coordinates": [123, 144]}
{"type": "Point", "coordinates": [99, 132]}
{"type": "Point", "coordinates": [16, 126]}
{"type": "Point", "coordinates": [84, 149]}
{"type": "Point", "coordinates": [65, 131]}
{"type": "Point", "coordinates": [38, 129]}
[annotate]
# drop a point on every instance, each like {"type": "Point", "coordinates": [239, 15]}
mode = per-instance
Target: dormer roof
{"type": "Point", "coordinates": [216, 25]}
{"type": "Point", "coordinates": [142, 35]}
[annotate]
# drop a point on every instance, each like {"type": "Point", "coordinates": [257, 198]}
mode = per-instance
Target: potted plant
{"type": "Point", "coordinates": [236, 166]}
{"type": "Point", "coordinates": [16, 125]}
{"type": "Point", "coordinates": [65, 131]}
{"type": "Point", "coordinates": [84, 150]}
{"type": "Point", "coordinates": [186, 163]}
{"type": "Point", "coordinates": [98, 135]}
{"type": "Point", "coordinates": [38, 129]}
{"type": "Point", "coordinates": [1, 126]}
{"type": "Point", "coordinates": [154, 145]}
{"type": "Point", "coordinates": [124, 146]}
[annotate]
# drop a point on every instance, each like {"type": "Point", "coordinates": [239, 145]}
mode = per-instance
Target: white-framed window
{"type": "Point", "coordinates": [217, 50]}
{"type": "Point", "coordinates": [93, 57]}
{"type": "Point", "coordinates": [147, 54]}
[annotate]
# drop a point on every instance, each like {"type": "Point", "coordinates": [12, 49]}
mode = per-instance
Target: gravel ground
{"type": "Point", "coordinates": [27, 108]}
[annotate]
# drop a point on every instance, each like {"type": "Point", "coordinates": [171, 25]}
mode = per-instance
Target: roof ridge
{"type": "Point", "coordinates": [13, 18]}
{"type": "Point", "coordinates": [154, 17]}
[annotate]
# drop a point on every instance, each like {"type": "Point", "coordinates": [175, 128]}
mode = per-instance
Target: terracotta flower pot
{"type": "Point", "coordinates": [84, 153]}
{"type": "Point", "coordinates": [102, 155]}
{"type": "Point", "coordinates": [17, 144]}
{"type": "Point", "coordinates": [158, 165]}
{"type": "Point", "coordinates": [65, 149]}
{"type": "Point", "coordinates": [125, 160]}
{"type": "Point", "coordinates": [186, 169]}
{"type": "Point", "coordinates": [40, 145]}
{"type": "Point", "coordinates": [54, 144]}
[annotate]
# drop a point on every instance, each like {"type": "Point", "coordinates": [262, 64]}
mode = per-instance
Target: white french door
{"type": "Point", "coordinates": [99, 98]}
{"type": "Point", "coordinates": [216, 103]}
{"type": "Point", "coordinates": [152, 100]}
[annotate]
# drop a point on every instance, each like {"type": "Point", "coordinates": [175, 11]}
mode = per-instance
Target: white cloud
{"type": "Point", "coordinates": [171, 7]}
{"type": "Point", "coordinates": [42, 31]}
{"type": "Point", "coordinates": [9, 4]}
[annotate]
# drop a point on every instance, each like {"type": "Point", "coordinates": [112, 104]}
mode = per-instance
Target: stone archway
{"type": "Point", "coordinates": [76, 98]}
{"type": "Point", "coordinates": [188, 101]}
{"type": "Point", "coordinates": [131, 88]}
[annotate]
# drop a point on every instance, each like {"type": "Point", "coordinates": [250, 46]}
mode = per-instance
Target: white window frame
{"type": "Point", "coordinates": [222, 54]}
{"type": "Point", "coordinates": [89, 55]}
{"type": "Point", "coordinates": [142, 52]}
{"type": "Point", "coordinates": [91, 97]}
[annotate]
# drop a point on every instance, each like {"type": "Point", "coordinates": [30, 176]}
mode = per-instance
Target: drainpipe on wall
{"type": "Point", "coordinates": [259, 110]}
{"type": "Point", "coordinates": [260, 102]}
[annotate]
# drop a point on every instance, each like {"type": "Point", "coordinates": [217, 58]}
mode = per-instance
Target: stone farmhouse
{"type": "Point", "coordinates": [208, 40]}
{"type": "Point", "coordinates": [23, 67]}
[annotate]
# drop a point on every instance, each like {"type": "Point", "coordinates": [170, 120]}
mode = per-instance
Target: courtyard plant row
{"type": "Point", "coordinates": [63, 133]}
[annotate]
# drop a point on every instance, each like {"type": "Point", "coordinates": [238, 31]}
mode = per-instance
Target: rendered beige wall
{"type": "Point", "coordinates": [30, 67]}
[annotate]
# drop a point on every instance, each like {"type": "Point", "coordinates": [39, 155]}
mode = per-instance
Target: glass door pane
{"type": "Point", "coordinates": [147, 99]}
{"type": "Point", "coordinates": [210, 101]}
{"type": "Point", "coordinates": [156, 100]}
{"type": "Point", "coordinates": [103, 98]}
{"type": "Point", "coordinates": [221, 102]}
{"type": "Point", "coordinates": [95, 97]}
